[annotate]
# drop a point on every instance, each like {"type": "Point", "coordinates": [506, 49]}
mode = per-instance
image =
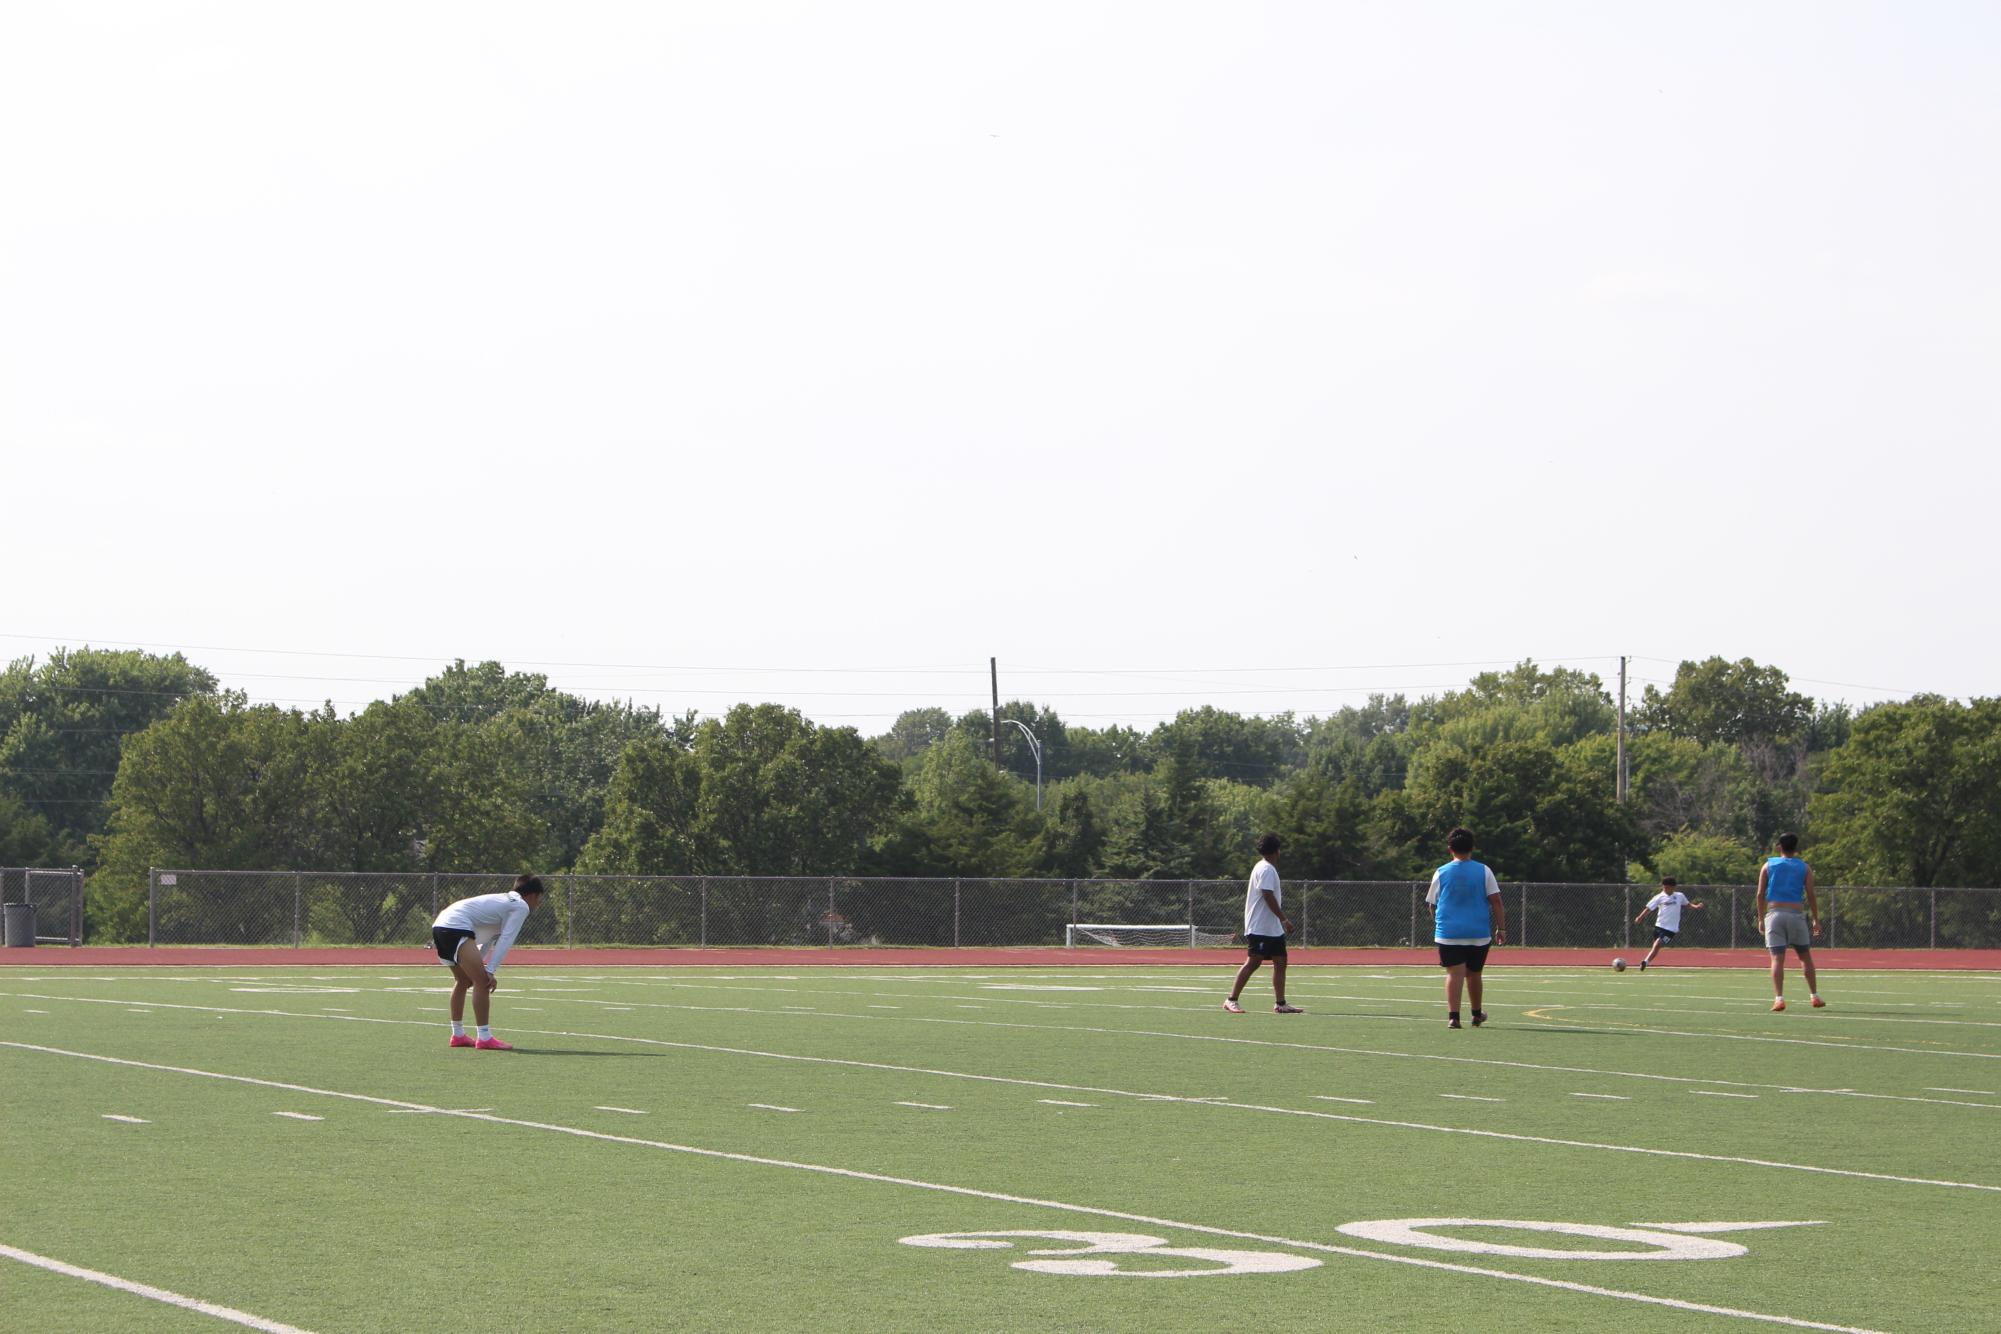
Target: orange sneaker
{"type": "Point", "coordinates": [1779, 1004]}
{"type": "Point", "coordinates": [1819, 1004]}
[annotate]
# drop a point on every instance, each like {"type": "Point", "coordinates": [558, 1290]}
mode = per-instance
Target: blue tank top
{"type": "Point", "coordinates": [1785, 880]}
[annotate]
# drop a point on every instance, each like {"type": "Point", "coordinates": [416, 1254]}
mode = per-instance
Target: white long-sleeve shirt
{"type": "Point", "coordinates": [495, 920]}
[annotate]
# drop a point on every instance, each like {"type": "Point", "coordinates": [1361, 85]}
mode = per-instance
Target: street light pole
{"type": "Point", "coordinates": [1035, 747]}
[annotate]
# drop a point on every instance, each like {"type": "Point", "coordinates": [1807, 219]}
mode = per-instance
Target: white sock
{"type": "Point", "coordinates": [458, 1028]}
{"type": "Point", "coordinates": [485, 1032]}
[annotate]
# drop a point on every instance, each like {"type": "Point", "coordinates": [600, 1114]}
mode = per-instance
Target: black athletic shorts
{"type": "Point", "coordinates": [1265, 947]}
{"type": "Point", "coordinates": [1473, 956]}
{"type": "Point", "coordinates": [1662, 933]}
{"type": "Point", "coordinates": [447, 939]}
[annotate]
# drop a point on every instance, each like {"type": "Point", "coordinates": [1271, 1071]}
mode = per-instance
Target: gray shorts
{"type": "Point", "coordinates": [1787, 926]}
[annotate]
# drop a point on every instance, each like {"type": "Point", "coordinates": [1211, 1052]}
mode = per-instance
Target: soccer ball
{"type": "Point", "coordinates": [1618, 965]}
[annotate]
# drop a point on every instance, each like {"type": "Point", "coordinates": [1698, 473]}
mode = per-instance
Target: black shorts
{"type": "Point", "coordinates": [1265, 947]}
{"type": "Point", "coordinates": [1473, 956]}
{"type": "Point", "coordinates": [1662, 933]}
{"type": "Point", "coordinates": [448, 939]}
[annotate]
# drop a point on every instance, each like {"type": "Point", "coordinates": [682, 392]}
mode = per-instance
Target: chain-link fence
{"type": "Point", "coordinates": [53, 897]}
{"type": "Point", "coordinates": [302, 908]}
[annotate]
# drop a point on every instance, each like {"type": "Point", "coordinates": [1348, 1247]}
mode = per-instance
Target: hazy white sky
{"type": "Point", "coordinates": [1099, 337]}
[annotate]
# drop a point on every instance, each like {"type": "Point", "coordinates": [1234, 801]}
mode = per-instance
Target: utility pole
{"type": "Point", "coordinates": [1622, 730]}
{"type": "Point", "coordinates": [993, 667]}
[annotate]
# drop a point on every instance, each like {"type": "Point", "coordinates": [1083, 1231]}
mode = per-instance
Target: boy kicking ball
{"type": "Point", "coordinates": [1666, 907]}
{"type": "Point", "coordinates": [472, 936]}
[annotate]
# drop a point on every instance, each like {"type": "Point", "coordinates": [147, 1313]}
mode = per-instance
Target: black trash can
{"type": "Point", "coordinates": [17, 925]}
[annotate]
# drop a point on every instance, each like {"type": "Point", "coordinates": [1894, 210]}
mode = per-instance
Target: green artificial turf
{"type": "Point", "coordinates": [1110, 1090]}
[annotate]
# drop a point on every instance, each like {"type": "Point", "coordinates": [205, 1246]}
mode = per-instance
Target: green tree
{"type": "Point", "coordinates": [913, 732]}
{"type": "Point", "coordinates": [781, 796]}
{"type": "Point", "coordinates": [1324, 820]}
{"type": "Point", "coordinates": [63, 724]}
{"type": "Point", "coordinates": [650, 815]}
{"type": "Point", "coordinates": [1911, 799]}
{"type": "Point", "coordinates": [1212, 743]}
{"type": "Point", "coordinates": [1540, 813]}
{"type": "Point", "coordinates": [1736, 703]}
{"type": "Point", "coordinates": [1694, 858]}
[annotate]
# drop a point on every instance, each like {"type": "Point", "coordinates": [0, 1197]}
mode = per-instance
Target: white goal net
{"type": "Point", "coordinates": [1179, 935]}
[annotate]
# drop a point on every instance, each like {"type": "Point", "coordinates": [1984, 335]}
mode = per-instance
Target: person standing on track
{"type": "Point", "coordinates": [1265, 928]}
{"type": "Point", "coordinates": [1789, 911]}
{"type": "Point", "coordinates": [1469, 918]}
{"type": "Point", "coordinates": [472, 936]}
{"type": "Point", "coordinates": [1666, 907]}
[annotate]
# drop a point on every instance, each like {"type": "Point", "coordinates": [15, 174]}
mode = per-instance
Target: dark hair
{"type": "Point", "coordinates": [1789, 843]}
{"type": "Point", "coordinates": [1667, 882]}
{"type": "Point", "coordinates": [1460, 839]}
{"type": "Point", "coordinates": [527, 884]}
{"type": "Point", "coordinates": [1269, 844]}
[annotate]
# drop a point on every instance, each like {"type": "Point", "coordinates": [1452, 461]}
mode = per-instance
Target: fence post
{"type": "Point", "coordinates": [76, 907]}
{"type": "Point", "coordinates": [1191, 912]}
{"type": "Point", "coordinates": [1522, 936]}
{"type": "Point", "coordinates": [830, 912]}
{"type": "Point", "coordinates": [1934, 894]}
{"type": "Point", "coordinates": [1733, 917]}
{"type": "Point", "coordinates": [955, 912]}
{"type": "Point", "coordinates": [298, 909]}
{"type": "Point", "coordinates": [434, 896]}
{"type": "Point", "coordinates": [152, 906]}
{"type": "Point", "coordinates": [1627, 917]}
{"type": "Point", "coordinates": [1830, 918]}
{"type": "Point", "coordinates": [1073, 903]}
{"type": "Point", "coordinates": [1305, 915]}
{"type": "Point", "coordinates": [1413, 916]}
{"type": "Point", "coordinates": [705, 912]}
{"type": "Point", "coordinates": [569, 912]}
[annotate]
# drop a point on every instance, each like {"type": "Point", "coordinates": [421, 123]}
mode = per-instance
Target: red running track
{"type": "Point", "coordinates": [183, 956]}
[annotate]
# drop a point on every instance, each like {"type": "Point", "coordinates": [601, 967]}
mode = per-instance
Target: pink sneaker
{"type": "Point", "coordinates": [1232, 1006]}
{"type": "Point", "coordinates": [493, 1044]}
{"type": "Point", "coordinates": [461, 1040]}
{"type": "Point", "coordinates": [1286, 1009]}
{"type": "Point", "coordinates": [1778, 1005]}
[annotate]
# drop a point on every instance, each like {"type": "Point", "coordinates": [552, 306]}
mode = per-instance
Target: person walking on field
{"type": "Point", "coordinates": [1468, 919]}
{"type": "Point", "coordinates": [1265, 929]}
{"type": "Point", "coordinates": [1666, 907]}
{"type": "Point", "coordinates": [472, 936]}
{"type": "Point", "coordinates": [1789, 911]}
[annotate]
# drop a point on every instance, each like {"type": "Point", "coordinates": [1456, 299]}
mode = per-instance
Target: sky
{"type": "Point", "coordinates": [1255, 355]}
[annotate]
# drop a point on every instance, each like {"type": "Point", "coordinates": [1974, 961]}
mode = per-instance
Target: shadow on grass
{"type": "Point", "coordinates": [565, 1051]}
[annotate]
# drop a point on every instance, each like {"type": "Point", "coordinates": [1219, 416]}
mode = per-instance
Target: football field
{"type": "Point", "coordinates": [1101, 1148]}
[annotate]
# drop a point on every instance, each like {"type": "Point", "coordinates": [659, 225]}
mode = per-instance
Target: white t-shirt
{"type": "Point", "coordinates": [494, 920]}
{"type": "Point", "coordinates": [1668, 909]}
{"type": "Point", "coordinates": [1259, 919]}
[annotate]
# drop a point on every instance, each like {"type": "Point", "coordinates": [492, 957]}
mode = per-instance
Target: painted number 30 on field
{"type": "Point", "coordinates": [1097, 1254]}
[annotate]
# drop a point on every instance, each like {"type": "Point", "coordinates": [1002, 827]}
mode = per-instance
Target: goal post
{"type": "Point", "coordinates": [1143, 935]}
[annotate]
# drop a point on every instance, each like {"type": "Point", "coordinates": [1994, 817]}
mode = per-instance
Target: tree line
{"type": "Point", "coordinates": [122, 760]}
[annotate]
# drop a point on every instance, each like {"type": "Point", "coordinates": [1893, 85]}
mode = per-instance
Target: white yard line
{"type": "Point", "coordinates": [854, 1174]}
{"type": "Point", "coordinates": [128, 1120]}
{"type": "Point", "coordinates": [927, 1106]}
{"type": "Point", "coordinates": [1239, 1107]}
{"type": "Point", "coordinates": [299, 1116]}
{"type": "Point", "coordinates": [1718, 1093]}
{"type": "Point", "coordinates": [1985, 1093]}
{"type": "Point", "coordinates": [1162, 1097]}
{"type": "Point", "coordinates": [1058, 1102]}
{"type": "Point", "coordinates": [1609, 1097]}
{"type": "Point", "coordinates": [770, 1107]}
{"type": "Point", "coordinates": [628, 1111]}
{"type": "Point", "coordinates": [1470, 1097]}
{"type": "Point", "coordinates": [1384, 1053]}
{"type": "Point", "coordinates": [228, 1313]}
{"type": "Point", "coordinates": [1360, 1102]}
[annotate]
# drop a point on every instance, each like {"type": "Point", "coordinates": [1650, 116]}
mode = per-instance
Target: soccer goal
{"type": "Point", "coordinates": [1128, 935]}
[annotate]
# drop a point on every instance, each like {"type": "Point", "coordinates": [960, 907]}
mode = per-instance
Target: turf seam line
{"type": "Point", "coordinates": [973, 1192]}
{"type": "Point", "coordinates": [154, 1294]}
